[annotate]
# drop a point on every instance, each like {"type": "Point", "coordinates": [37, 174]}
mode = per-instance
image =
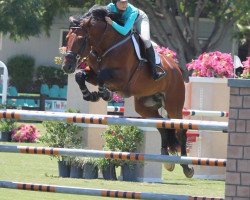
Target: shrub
{"type": "Point", "coordinates": [212, 64]}
{"type": "Point", "coordinates": [51, 76]}
{"type": "Point", "coordinates": [21, 71]}
{"type": "Point", "coordinates": [62, 135]}
{"type": "Point", "coordinates": [122, 138]}
{"type": "Point", "coordinates": [25, 133]}
{"type": "Point", "coordinates": [7, 125]}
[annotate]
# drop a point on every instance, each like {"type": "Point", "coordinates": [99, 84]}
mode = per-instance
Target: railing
{"type": "Point", "coordinates": [41, 101]}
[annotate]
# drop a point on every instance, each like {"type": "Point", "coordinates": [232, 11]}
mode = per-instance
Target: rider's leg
{"type": "Point", "coordinates": [150, 54]}
{"type": "Point", "coordinates": [142, 26]}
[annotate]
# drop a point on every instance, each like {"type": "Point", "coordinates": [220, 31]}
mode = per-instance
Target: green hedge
{"type": "Point", "coordinates": [21, 71]}
{"type": "Point", "coordinates": [51, 75]}
{"type": "Point", "coordinates": [26, 78]}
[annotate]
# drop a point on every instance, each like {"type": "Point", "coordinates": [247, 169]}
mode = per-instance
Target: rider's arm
{"type": "Point", "coordinates": [127, 26]}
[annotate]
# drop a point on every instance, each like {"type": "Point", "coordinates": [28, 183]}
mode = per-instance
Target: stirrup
{"type": "Point", "coordinates": [160, 67]}
{"type": "Point", "coordinates": [159, 75]}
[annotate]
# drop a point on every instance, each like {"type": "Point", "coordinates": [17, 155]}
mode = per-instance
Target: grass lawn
{"type": "Point", "coordinates": [42, 169]}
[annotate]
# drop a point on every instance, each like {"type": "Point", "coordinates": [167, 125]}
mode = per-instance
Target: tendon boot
{"type": "Point", "coordinates": [87, 95]}
{"type": "Point", "coordinates": [150, 54]}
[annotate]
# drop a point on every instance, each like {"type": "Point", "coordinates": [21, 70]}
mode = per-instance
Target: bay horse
{"type": "Point", "coordinates": [114, 65]}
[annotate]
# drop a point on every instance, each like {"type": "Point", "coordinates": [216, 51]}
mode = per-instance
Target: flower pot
{"type": "Point", "coordinates": [209, 94]}
{"type": "Point", "coordinates": [90, 171]}
{"type": "Point", "coordinates": [109, 172]}
{"type": "Point", "coordinates": [5, 136]}
{"type": "Point", "coordinates": [129, 172]}
{"type": "Point", "coordinates": [75, 172]}
{"type": "Point", "coordinates": [64, 169]}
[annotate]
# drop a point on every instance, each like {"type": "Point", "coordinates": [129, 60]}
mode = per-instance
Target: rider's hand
{"type": "Point", "coordinates": [108, 20]}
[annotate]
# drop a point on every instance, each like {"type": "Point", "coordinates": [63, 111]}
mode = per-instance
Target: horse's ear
{"type": "Point", "coordinates": [85, 22]}
{"type": "Point", "coordinates": [73, 21]}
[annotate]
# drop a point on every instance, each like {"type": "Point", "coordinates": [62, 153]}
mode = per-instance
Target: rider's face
{"type": "Point", "coordinates": [122, 5]}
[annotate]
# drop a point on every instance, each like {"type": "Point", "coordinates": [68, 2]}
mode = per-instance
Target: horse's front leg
{"type": "Point", "coordinates": [104, 93]}
{"type": "Point", "coordinates": [182, 138]}
{"type": "Point", "coordinates": [87, 95]}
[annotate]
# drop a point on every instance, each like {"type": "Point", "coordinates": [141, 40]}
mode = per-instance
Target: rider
{"type": "Point", "coordinates": [133, 17]}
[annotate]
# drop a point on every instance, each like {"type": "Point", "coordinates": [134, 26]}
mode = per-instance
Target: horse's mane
{"type": "Point", "coordinates": [98, 13]}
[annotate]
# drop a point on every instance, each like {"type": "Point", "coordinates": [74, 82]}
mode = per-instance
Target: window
{"type": "Point", "coordinates": [63, 34]}
{"type": "Point", "coordinates": [202, 41]}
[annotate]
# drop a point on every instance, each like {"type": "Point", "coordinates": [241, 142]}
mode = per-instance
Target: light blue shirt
{"type": "Point", "coordinates": [129, 16]}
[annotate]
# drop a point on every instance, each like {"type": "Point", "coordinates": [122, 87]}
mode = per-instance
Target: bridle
{"type": "Point", "coordinates": [93, 48]}
{"type": "Point", "coordinates": [101, 54]}
{"type": "Point", "coordinates": [76, 57]}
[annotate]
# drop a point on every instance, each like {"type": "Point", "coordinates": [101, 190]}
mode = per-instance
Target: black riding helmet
{"type": "Point", "coordinates": [115, 1]}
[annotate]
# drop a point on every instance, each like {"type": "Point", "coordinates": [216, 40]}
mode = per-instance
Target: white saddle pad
{"type": "Point", "coordinates": [138, 53]}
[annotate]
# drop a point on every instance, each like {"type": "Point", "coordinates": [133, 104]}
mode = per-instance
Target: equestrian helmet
{"type": "Point", "coordinates": [115, 1]}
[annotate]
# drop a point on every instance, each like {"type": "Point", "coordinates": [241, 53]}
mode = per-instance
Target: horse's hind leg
{"type": "Point", "coordinates": [168, 142]}
{"type": "Point", "coordinates": [168, 138]}
{"type": "Point", "coordinates": [176, 113]}
{"type": "Point", "coordinates": [182, 138]}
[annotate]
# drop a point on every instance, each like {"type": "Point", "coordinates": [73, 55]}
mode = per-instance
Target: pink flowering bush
{"type": "Point", "coordinates": [168, 52]}
{"type": "Point", "coordinates": [246, 66]}
{"type": "Point", "coordinates": [117, 98]}
{"type": "Point", "coordinates": [25, 133]}
{"type": "Point", "coordinates": [213, 64]}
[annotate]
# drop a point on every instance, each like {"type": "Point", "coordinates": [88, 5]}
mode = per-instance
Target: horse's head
{"type": "Point", "coordinates": [77, 45]}
{"type": "Point", "coordinates": [81, 31]}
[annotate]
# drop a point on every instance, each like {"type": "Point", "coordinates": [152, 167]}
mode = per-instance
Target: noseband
{"type": "Point", "coordinates": [76, 57]}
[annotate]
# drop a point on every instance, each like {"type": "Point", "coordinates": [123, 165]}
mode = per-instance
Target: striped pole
{"type": "Point", "coordinates": [115, 109]}
{"type": "Point", "coordinates": [96, 192]}
{"type": "Point", "coordinates": [185, 112]}
{"type": "Point", "coordinates": [205, 113]}
{"type": "Point", "coordinates": [114, 155]}
{"type": "Point", "coordinates": [105, 119]}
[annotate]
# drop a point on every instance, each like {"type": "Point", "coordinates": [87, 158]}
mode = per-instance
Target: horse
{"type": "Point", "coordinates": [114, 66]}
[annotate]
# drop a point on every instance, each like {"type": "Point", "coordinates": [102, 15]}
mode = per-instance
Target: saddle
{"type": "Point", "coordinates": [140, 49]}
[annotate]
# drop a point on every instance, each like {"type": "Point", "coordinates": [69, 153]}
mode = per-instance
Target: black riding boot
{"type": "Point", "coordinates": [150, 54]}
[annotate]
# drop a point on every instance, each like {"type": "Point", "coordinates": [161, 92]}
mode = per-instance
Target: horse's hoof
{"type": "Point", "coordinates": [189, 172]}
{"type": "Point", "coordinates": [169, 166]}
{"type": "Point", "coordinates": [94, 97]}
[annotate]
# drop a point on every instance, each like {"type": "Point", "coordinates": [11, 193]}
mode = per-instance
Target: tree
{"type": "Point", "coordinates": [24, 18]}
{"type": "Point", "coordinates": [175, 23]}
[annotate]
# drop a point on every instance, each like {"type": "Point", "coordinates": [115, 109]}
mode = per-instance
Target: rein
{"type": "Point", "coordinates": [99, 58]}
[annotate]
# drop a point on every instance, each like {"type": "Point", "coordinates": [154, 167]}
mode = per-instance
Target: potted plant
{"type": "Point", "coordinates": [90, 168]}
{"type": "Point", "coordinates": [6, 128]}
{"type": "Point", "coordinates": [25, 133]}
{"type": "Point", "coordinates": [208, 90]}
{"type": "Point", "coordinates": [62, 135]}
{"type": "Point", "coordinates": [107, 167]}
{"type": "Point", "coordinates": [212, 64]}
{"type": "Point", "coordinates": [117, 100]}
{"type": "Point", "coordinates": [124, 139]}
{"type": "Point", "coordinates": [76, 167]}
